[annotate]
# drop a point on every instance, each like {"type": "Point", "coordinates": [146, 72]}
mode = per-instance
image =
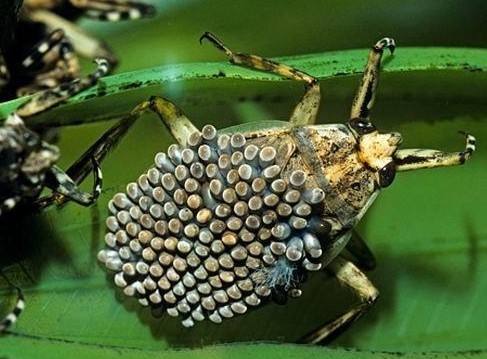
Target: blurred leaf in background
{"type": "Point", "coordinates": [280, 28]}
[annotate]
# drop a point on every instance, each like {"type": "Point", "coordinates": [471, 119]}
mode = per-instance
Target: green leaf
{"type": "Point", "coordinates": [324, 66]}
{"type": "Point", "coordinates": [427, 230]}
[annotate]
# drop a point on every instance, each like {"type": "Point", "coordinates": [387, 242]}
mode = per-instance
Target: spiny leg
{"type": "Point", "coordinates": [361, 252]}
{"type": "Point", "coordinates": [83, 43]}
{"type": "Point", "coordinates": [44, 100]}
{"type": "Point", "coordinates": [180, 126]}
{"type": "Point", "coordinates": [364, 99]}
{"type": "Point", "coordinates": [352, 277]}
{"type": "Point", "coordinates": [114, 10]}
{"type": "Point", "coordinates": [80, 169]}
{"type": "Point", "coordinates": [97, 152]}
{"type": "Point", "coordinates": [14, 314]}
{"type": "Point", "coordinates": [306, 110]}
{"type": "Point", "coordinates": [413, 159]}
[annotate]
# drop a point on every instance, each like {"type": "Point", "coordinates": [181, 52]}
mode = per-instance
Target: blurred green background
{"type": "Point", "coordinates": [427, 230]}
{"type": "Point", "coordinates": [279, 28]}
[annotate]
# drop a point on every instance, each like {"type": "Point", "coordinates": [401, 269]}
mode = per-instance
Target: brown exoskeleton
{"type": "Point", "coordinates": [231, 219]}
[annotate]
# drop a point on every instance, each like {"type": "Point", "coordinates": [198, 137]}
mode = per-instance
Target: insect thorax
{"type": "Point", "coordinates": [229, 222]}
{"type": "Point", "coordinates": [330, 154]}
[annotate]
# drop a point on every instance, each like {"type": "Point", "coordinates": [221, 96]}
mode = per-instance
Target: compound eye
{"type": "Point", "coordinates": [387, 174]}
{"type": "Point", "coordinates": [362, 126]}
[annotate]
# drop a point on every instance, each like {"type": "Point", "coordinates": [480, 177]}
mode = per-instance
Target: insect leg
{"type": "Point", "coordinates": [360, 251]}
{"type": "Point", "coordinates": [306, 110]}
{"type": "Point", "coordinates": [114, 10]}
{"type": "Point", "coordinates": [364, 99]}
{"type": "Point", "coordinates": [65, 185]}
{"type": "Point", "coordinates": [46, 99]}
{"type": "Point", "coordinates": [96, 153]}
{"type": "Point", "coordinates": [14, 314]}
{"type": "Point", "coordinates": [350, 276]}
{"type": "Point", "coordinates": [180, 126]}
{"type": "Point", "coordinates": [83, 43]}
{"type": "Point", "coordinates": [55, 55]}
{"type": "Point", "coordinates": [35, 59]}
{"type": "Point", "coordinates": [66, 188]}
{"type": "Point", "coordinates": [413, 159]}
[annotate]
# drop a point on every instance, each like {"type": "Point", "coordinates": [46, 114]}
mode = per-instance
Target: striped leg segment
{"type": "Point", "coordinates": [352, 277]}
{"type": "Point", "coordinates": [51, 62]}
{"type": "Point", "coordinates": [44, 100]}
{"type": "Point", "coordinates": [364, 99]}
{"type": "Point", "coordinates": [35, 59]}
{"type": "Point", "coordinates": [114, 10]}
{"type": "Point", "coordinates": [83, 43]}
{"type": "Point", "coordinates": [65, 188]}
{"type": "Point", "coordinates": [413, 159]}
{"type": "Point", "coordinates": [306, 110]}
{"type": "Point", "coordinates": [14, 314]}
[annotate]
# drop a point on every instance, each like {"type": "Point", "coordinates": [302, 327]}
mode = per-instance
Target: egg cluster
{"type": "Point", "coordinates": [214, 229]}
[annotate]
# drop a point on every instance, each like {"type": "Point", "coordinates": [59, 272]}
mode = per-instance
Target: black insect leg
{"type": "Point", "coordinates": [180, 126]}
{"type": "Point", "coordinates": [360, 252]}
{"type": "Point", "coordinates": [364, 99]}
{"type": "Point", "coordinates": [352, 277]}
{"type": "Point", "coordinates": [413, 159]}
{"type": "Point", "coordinates": [44, 100]}
{"type": "Point", "coordinates": [14, 314]}
{"type": "Point", "coordinates": [306, 110]}
{"type": "Point", "coordinates": [83, 43]}
{"type": "Point", "coordinates": [114, 10]}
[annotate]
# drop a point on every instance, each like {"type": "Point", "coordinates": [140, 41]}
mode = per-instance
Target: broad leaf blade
{"type": "Point", "coordinates": [427, 231]}
{"type": "Point", "coordinates": [323, 66]}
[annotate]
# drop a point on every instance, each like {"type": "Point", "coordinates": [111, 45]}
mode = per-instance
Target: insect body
{"type": "Point", "coordinates": [28, 164]}
{"type": "Point", "coordinates": [226, 221]}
